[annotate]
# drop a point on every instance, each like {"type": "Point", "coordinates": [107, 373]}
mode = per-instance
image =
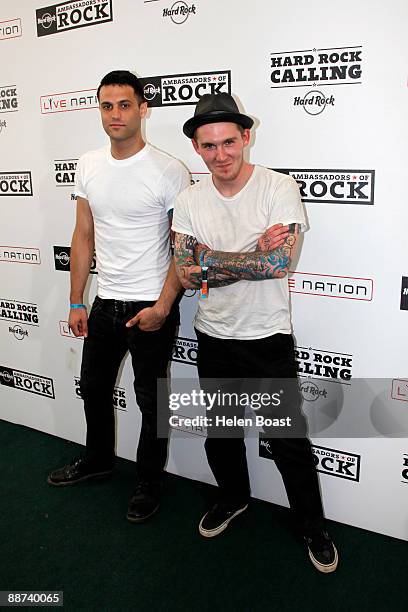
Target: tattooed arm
{"type": "Point", "coordinates": [262, 264]}
{"type": "Point", "coordinates": [228, 268]}
{"type": "Point", "coordinates": [189, 272]}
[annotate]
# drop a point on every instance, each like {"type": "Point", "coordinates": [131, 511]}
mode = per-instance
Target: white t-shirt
{"type": "Point", "coordinates": [245, 310]}
{"type": "Point", "coordinates": [129, 200]}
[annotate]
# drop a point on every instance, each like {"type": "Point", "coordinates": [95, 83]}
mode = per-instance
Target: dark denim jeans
{"type": "Point", "coordinates": [104, 349]}
{"type": "Point", "coordinates": [266, 358]}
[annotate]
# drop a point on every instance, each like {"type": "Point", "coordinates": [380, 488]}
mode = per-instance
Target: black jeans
{"type": "Point", "coordinates": [106, 345]}
{"type": "Point", "coordinates": [268, 358]}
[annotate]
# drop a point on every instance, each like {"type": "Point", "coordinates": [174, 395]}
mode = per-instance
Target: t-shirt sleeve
{"type": "Point", "coordinates": [80, 189]}
{"type": "Point", "coordinates": [181, 218]}
{"type": "Point", "coordinates": [175, 179]}
{"type": "Point", "coordinates": [287, 206]}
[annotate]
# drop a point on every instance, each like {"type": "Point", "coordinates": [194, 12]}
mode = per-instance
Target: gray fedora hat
{"type": "Point", "coordinates": [214, 108]}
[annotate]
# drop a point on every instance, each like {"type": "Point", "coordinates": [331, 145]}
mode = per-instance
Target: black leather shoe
{"type": "Point", "coordinates": [78, 470]}
{"type": "Point", "coordinates": [144, 502]}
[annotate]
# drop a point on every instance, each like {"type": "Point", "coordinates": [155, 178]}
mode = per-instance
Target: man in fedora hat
{"type": "Point", "coordinates": [225, 241]}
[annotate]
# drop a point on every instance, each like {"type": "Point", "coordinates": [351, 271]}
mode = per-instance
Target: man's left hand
{"type": "Point", "coordinates": [149, 319]}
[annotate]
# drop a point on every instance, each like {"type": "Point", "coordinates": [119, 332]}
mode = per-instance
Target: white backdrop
{"type": "Point", "coordinates": [327, 86]}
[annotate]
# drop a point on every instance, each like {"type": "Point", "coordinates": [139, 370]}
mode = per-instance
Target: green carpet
{"type": "Point", "coordinates": [77, 539]}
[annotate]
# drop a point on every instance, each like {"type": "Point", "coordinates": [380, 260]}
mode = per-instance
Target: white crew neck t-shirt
{"type": "Point", "coordinates": [129, 200]}
{"type": "Point", "coordinates": [245, 310]}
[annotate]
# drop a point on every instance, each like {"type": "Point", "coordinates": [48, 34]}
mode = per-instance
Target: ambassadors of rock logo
{"type": "Point", "coordinates": [26, 381]}
{"type": "Point", "coordinates": [16, 183]}
{"type": "Point", "coordinates": [330, 461]}
{"type": "Point", "coordinates": [185, 351]}
{"type": "Point", "coordinates": [316, 69]}
{"type": "Point", "coordinates": [333, 462]}
{"type": "Point", "coordinates": [330, 186]}
{"type": "Point", "coordinates": [181, 89]}
{"type": "Point", "coordinates": [72, 14]}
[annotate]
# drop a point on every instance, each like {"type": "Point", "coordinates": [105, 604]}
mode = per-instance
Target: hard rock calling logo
{"type": "Point", "coordinates": [316, 68]}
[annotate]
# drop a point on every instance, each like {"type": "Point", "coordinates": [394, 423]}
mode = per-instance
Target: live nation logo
{"type": "Point", "coordinates": [64, 172]}
{"type": "Point", "coordinates": [62, 259]}
{"type": "Point", "coordinates": [119, 396]}
{"type": "Point", "coordinates": [26, 381]}
{"type": "Point", "coordinates": [315, 69]}
{"type": "Point", "coordinates": [330, 461]}
{"type": "Point", "coordinates": [72, 14]}
{"type": "Point", "coordinates": [13, 254]}
{"type": "Point", "coordinates": [66, 331]}
{"type": "Point", "coordinates": [328, 285]}
{"type": "Point", "coordinates": [68, 101]}
{"type": "Point", "coordinates": [185, 351]}
{"type": "Point", "coordinates": [334, 186]}
{"type": "Point", "coordinates": [326, 365]}
{"type": "Point", "coordinates": [8, 99]}
{"type": "Point", "coordinates": [10, 29]}
{"type": "Point", "coordinates": [181, 89]}
{"type": "Point", "coordinates": [404, 293]}
{"type": "Point", "coordinates": [16, 183]}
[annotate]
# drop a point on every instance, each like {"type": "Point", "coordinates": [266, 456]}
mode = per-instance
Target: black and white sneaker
{"type": "Point", "coordinates": [216, 520]}
{"type": "Point", "coordinates": [322, 552]}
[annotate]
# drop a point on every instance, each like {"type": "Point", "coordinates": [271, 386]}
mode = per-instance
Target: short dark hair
{"type": "Point", "coordinates": [240, 127]}
{"type": "Point", "coordinates": [123, 77]}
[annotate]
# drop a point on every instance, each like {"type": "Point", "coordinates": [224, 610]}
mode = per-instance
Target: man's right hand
{"type": "Point", "coordinates": [273, 237]}
{"type": "Point", "coordinates": [78, 322]}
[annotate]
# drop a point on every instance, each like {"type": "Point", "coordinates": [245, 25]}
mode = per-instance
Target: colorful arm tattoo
{"type": "Point", "coordinates": [258, 265]}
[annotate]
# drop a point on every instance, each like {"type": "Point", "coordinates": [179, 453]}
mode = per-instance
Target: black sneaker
{"type": "Point", "coordinates": [144, 502]}
{"type": "Point", "coordinates": [322, 551]}
{"type": "Point", "coordinates": [78, 470]}
{"type": "Point", "coordinates": [216, 520]}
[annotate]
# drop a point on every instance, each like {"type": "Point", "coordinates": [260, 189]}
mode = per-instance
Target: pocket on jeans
{"type": "Point", "coordinates": [97, 304]}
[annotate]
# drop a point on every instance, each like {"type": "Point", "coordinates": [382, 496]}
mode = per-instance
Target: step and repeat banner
{"type": "Point", "coordinates": [327, 87]}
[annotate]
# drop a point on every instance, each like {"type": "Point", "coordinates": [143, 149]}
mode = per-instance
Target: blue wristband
{"type": "Point", "coordinates": [201, 258]}
{"type": "Point", "coordinates": [77, 306]}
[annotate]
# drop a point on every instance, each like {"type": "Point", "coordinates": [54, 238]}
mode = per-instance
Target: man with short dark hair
{"type": "Point", "coordinates": [224, 237]}
{"type": "Point", "coordinates": [125, 196]}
